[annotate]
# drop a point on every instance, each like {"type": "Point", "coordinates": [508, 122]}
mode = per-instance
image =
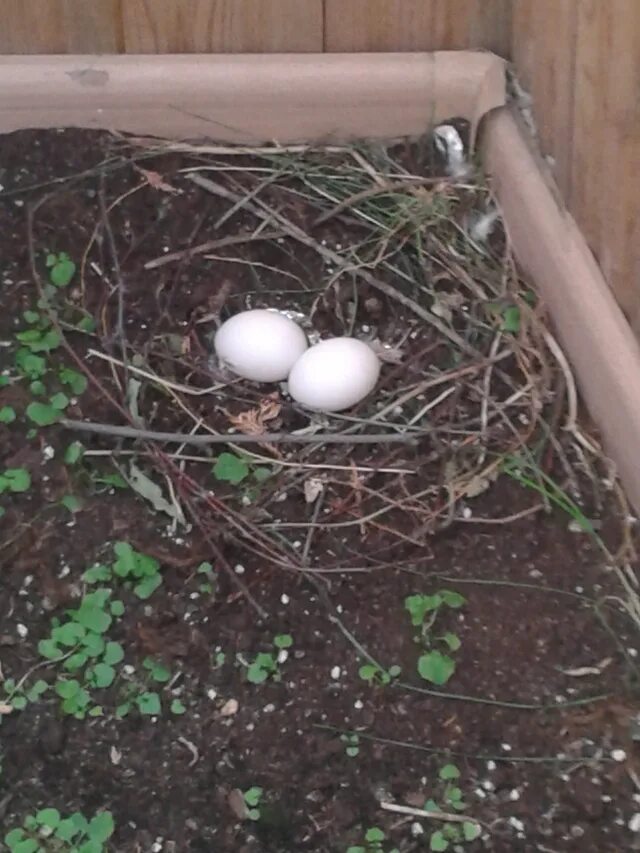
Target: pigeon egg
{"type": "Point", "coordinates": [334, 375]}
{"type": "Point", "coordinates": [260, 345]}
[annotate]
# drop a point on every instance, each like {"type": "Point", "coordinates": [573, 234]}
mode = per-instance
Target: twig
{"type": "Point", "coordinates": [371, 192]}
{"type": "Point", "coordinates": [448, 817]}
{"type": "Point", "coordinates": [120, 333]}
{"type": "Point", "coordinates": [235, 438]}
{"type": "Point", "coordinates": [212, 246]}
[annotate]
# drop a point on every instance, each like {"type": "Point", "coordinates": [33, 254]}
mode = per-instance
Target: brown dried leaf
{"type": "Point", "coordinates": [237, 804]}
{"type": "Point", "coordinates": [155, 180]}
{"type": "Point", "coordinates": [229, 708]}
{"type": "Point", "coordinates": [312, 488]}
{"type": "Point", "coordinates": [5, 708]}
{"type": "Point", "coordinates": [253, 421]}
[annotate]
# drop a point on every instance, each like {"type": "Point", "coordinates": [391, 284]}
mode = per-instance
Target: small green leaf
{"type": "Point", "coordinates": [68, 634]}
{"type": "Point", "coordinates": [157, 670]}
{"type": "Point", "coordinates": [72, 503]}
{"type": "Point", "coordinates": [37, 690]}
{"type": "Point", "coordinates": [48, 649]}
{"type": "Point", "coordinates": [177, 707]}
{"type": "Point", "coordinates": [452, 640]}
{"type": "Point", "coordinates": [66, 830]}
{"type": "Point", "coordinates": [73, 453]}
{"type": "Point", "coordinates": [93, 618]}
{"type": "Point", "coordinates": [67, 689]}
{"type": "Point", "coordinates": [126, 562]}
{"type": "Point", "coordinates": [147, 586]}
{"type": "Point", "coordinates": [33, 366]}
{"type": "Point", "coordinates": [38, 388]}
{"type": "Point", "coordinates": [283, 641]}
{"type": "Point", "coordinates": [75, 380]}
{"type": "Point", "coordinates": [31, 317]}
{"type": "Point", "coordinates": [59, 401]}
{"type": "Point", "coordinates": [123, 710]}
{"type": "Point", "coordinates": [115, 481]}
{"type": "Point", "coordinates": [101, 827]}
{"type": "Point", "coordinates": [80, 822]}
{"type": "Point", "coordinates": [470, 830]}
{"type": "Point", "coordinates": [15, 480]}
{"type": "Point", "coordinates": [511, 320]}
{"type": "Point", "coordinates": [93, 644]}
{"type": "Point", "coordinates": [374, 835]}
{"type": "Point", "coordinates": [256, 674]}
{"type": "Point", "coordinates": [253, 796]}
{"type": "Point", "coordinates": [436, 667]}
{"type": "Point", "coordinates": [452, 599]}
{"type": "Point", "coordinates": [230, 468]}
{"type": "Point", "coordinates": [19, 703]}
{"type": "Point", "coordinates": [42, 414]}
{"type": "Point", "coordinates": [76, 661]}
{"type": "Point", "coordinates": [419, 605]}
{"type": "Point", "coordinates": [149, 703]}
{"type": "Point", "coordinates": [368, 672]}
{"type": "Point", "coordinates": [48, 817]}
{"type": "Point", "coordinates": [26, 846]}
{"type": "Point", "coordinates": [103, 675]}
{"type": "Point", "coordinates": [113, 653]}
{"type": "Point", "coordinates": [7, 415]}
{"type": "Point", "coordinates": [438, 842]}
{"type": "Point", "coordinates": [395, 670]}
{"type": "Point", "coordinates": [117, 608]}
{"type": "Point", "coordinates": [62, 271]}
{"type": "Point", "coordinates": [453, 794]}
{"type": "Point", "coordinates": [96, 574]}
{"type": "Point", "coordinates": [449, 772]}
{"type": "Point", "coordinates": [96, 711]}
{"type": "Point", "coordinates": [262, 474]}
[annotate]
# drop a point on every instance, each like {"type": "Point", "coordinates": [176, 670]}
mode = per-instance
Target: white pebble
{"type": "Point", "coordinates": [506, 747]}
{"type": "Point", "coordinates": [336, 672]}
{"type": "Point", "coordinates": [514, 795]}
{"type": "Point", "coordinates": [239, 569]}
{"type": "Point", "coordinates": [634, 823]}
{"type": "Point", "coordinates": [417, 829]}
{"type": "Point", "coordinates": [480, 793]}
{"type": "Point", "coordinates": [284, 598]}
{"type": "Point", "coordinates": [491, 765]}
{"type": "Point", "coordinates": [358, 704]}
{"type": "Point", "coordinates": [156, 847]}
{"type": "Point", "coordinates": [269, 709]}
{"type": "Point", "coordinates": [211, 693]}
{"type": "Point", "coordinates": [283, 654]}
{"type": "Point", "coordinates": [22, 630]}
{"type": "Point", "coordinates": [516, 824]}
{"type": "Point", "coordinates": [128, 669]}
{"type": "Point", "coordinates": [618, 755]}
{"type": "Point", "coordinates": [467, 512]}
{"type": "Point", "coordinates": [48, 452]}
{"type": "Point", "coordinates": [488, 785]}
{"type": "Point", "coordinates": [633, 653]}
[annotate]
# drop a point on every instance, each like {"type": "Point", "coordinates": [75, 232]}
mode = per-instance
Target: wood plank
{"type": "Point", "coordinates": [222, 26]}
{"type": "Point", "coordinates": [618, 189]}
{"type": "Point", "coordinates": [378, 25]}
{"type": "Point", "coordinates": [60, 26]}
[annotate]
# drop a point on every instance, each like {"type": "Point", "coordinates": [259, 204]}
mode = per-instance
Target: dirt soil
{"type": "Point", "coordinates": [539, 714]}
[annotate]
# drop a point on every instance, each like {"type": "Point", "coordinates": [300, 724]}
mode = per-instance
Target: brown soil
{"type": "Point", "coordinates": [557, 776]}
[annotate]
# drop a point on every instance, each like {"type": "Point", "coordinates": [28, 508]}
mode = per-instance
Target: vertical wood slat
{"type": "Point", "coordinates": [60, 26]}
{"type": "Point", "coordinates": [376, 25]}
{"type": "Point", "coordinates": [222, 26]}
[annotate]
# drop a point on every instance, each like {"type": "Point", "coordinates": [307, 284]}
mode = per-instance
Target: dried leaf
{"type": "Point", "coordinates": [5, 708]}
{"type": "Point", "coordinates": [237, 804]}
{"type": "Point", "coordinates": [151, 492]}
{"type": "Point", "coordinates": [155, 180]}
{"type": "Point", "coordinates": [313, 487]}
{"type": "Point", "coordinates": [254, 421]}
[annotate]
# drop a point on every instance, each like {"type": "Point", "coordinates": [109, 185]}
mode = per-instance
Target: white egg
{"type": "Point", "coordinates": [260, 345]}
{"type": "Point", "coordinates": [334, 375]}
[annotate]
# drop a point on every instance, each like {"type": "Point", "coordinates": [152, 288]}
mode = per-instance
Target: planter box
{"type": "Point", "coordinates": [330, 97]}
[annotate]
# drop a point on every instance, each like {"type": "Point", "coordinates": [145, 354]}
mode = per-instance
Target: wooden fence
{"type": "Point", "coordinates": [579, 58]}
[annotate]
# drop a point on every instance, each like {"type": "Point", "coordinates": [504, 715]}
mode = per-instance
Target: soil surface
{"type": "Point", "coordinates": [539, 716]}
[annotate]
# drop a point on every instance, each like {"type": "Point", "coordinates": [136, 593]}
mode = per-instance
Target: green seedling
{"type": "Point", "coordinates": [73, 453]}
{"type": "Point", "coordinates": [48, 832]}
{"type": "Point", "coordinates": [17, 696]}
{"type": "Point", "coordinates": [266, 664]}
{"type": "Point", "coordinates": [253, 798]}
{"type": "Point", "coordinates": [45, 414]}
{"type": "Point", "coordinates": [132, 568]}
{"type": "Point", "coordinates": [15, 480]}
{"type": "Point", "coordinates": [61, 269]}
{"type": "Point", "coordinates": [87, 658]}
{"type": "Point", "coordinates": [434, 666]}
{"type": "Point", "coordinates": [450, 835]}
{"type": "Point", "coordinates": [374, 839]}
{"type": "Point", "coordinates": [374, 674]}
{"type": "Point", "coordinates": [230, 468]}
{"type": "Point", "coordinates": [352, 744]}
{"type": "Point", "coordinates": [209, 584]}
{"type": "Point", "coordinates": [7, 415]}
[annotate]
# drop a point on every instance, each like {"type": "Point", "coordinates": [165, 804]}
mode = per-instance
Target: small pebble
{"type": "Point", "coordinates": [516, 824]}
{"type": "Point", "coordinates": [22, 630]}
{"type": "Point", "coordinates": [239, 569]}
{"type": "Point", "coordinates": [634, 823]}
{"type": "Point", "coordinates": [467, 512]}
{"type": "Point", "coordinates": [491, 765]}
{"type": "Point", "coordinates": [514, 795]}
{"type": "Point", "coordinates": [633, 653]}
{"type": "Point", "coordinates": [283, 654]}
{"type": "Point", "coordinates": [358, 704]}
{"type": "Point", "coordinates": [211, 693]}
{"type": "Point", "coordinates": [336, 672]}
{"type": "Point", "coordinates": [48, 452]}
{"type": "Point", "coordinates": [488, 785]}
{"type": "Point", "coordinates": [506, 747]}
{"type": "Point", "coordinates": [269, 709]}
{"type": "Point", "coordinates": [618, 754]}
{"type": "Point", "coordinates": [284, 598]}
{"type": "Point", "coordinates": [417, 829]}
